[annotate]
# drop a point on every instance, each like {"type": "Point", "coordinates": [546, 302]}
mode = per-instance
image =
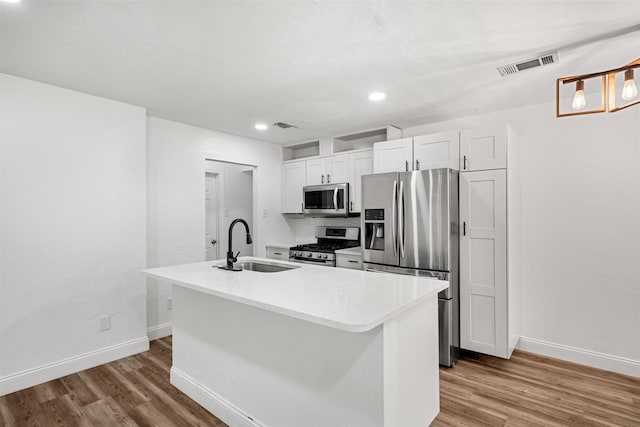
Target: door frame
{"type": "Point", "coordinates": [256, 230]}
{"type": "Point", "coordinates": [220, 217]}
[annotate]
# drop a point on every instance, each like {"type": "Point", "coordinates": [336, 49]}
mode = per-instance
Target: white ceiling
{"type": "Point", "coordinates": [226, 64]}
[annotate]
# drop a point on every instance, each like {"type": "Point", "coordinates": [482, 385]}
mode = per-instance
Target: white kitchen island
{"type": "Point", "coordinates": [311, 346]}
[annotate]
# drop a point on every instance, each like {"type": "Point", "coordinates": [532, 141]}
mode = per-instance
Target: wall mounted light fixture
{"type": "Point", "coordinates": [594, 99]}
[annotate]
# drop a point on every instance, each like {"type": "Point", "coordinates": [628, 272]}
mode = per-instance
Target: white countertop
{"type": "Point", "coordinates": [357, 251]}
{"type": "Point", "coordinates": [350, 300]}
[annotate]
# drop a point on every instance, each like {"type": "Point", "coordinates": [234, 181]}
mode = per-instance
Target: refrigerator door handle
{"type": "Point", "coordinates": [335, 198]}
{"type": "Point", "coordinates": [401, 219]}
{"type": "Point", "coordinates": [394, 200]}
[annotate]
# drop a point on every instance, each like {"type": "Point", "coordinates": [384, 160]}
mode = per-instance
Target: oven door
{"type": "Point", "coordinates": [326, 200]}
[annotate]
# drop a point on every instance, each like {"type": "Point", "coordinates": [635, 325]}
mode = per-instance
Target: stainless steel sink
{"type": "Point", "coordinates": [264, 267]}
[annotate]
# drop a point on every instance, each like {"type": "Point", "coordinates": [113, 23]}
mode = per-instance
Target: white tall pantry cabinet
{"type": "Point", "coordinates": [490, 296]}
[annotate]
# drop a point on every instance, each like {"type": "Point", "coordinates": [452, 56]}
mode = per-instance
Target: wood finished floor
{"type": "Point", "coordinates": [527, 390]}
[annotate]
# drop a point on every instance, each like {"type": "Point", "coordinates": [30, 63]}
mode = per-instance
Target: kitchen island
{"type": "Point", "coordinates": [309, 346]}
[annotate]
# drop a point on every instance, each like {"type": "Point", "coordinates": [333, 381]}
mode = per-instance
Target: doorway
{"type": "Point", "coordinates": [228, 195]}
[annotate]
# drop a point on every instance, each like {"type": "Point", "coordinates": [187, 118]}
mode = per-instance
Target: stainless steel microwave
{"type": "Point", "coordinates": [326, 200]}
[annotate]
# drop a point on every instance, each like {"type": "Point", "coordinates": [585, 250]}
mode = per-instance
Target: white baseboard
{"type": "Point", "coordinates": [159, 331]}
{"type": "Point", "coordinates": [594, 359]}
{"type": "Point", "coordinates": [51, 371]}
{"type": "Point", "coordinates": [209, 400]}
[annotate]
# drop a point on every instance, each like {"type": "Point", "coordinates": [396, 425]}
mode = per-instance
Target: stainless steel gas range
{"type": "Point", "coordinates": [330, 239]}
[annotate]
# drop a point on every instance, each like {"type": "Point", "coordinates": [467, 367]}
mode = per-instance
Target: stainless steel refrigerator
{"type": "Point", "coordinates": [409, 225]}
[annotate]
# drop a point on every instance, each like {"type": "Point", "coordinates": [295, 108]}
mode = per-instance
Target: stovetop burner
{"type": "Point", "coordinates": [327, 247]}
{"type": "Point", "coordinates": [330, 239]}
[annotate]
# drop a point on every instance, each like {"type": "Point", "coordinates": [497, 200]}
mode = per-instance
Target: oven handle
{"type": "Point", "coordinates": [314, 262]}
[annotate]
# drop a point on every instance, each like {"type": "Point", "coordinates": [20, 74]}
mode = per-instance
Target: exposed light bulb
{"type": "Point", "coordinates": [579, 100]}
{"type": "Point", "coordinates": [377, 96]}
{"type": "Point", "coordinates": [629, 90]}
{"type": "Point", "coordinates": [261, 126]}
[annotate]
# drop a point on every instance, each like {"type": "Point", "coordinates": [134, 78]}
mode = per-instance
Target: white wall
{"type": "Point", "coordinates": [176, 156]}
{"type": "Point", "coordinates": [73, 231]}
{"type": "Point", "coordinates": [581, 232]}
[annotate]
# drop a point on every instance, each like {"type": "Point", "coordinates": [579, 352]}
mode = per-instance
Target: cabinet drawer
{"type": "Point", "coordinates": [349, 261]}
{"type": "Point", "coordinates": [277, 253]}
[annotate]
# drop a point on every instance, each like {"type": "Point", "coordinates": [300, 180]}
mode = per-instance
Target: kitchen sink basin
{"type": "Point", "coordinates": [264, 267]}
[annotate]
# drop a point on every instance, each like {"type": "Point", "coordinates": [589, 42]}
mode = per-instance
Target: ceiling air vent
{"type": "Point", "coordinates": [547, 59]}
{"type": "Point", "coordinates": [284, 125]}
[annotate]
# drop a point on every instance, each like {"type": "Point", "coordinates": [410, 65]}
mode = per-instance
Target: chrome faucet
{"type": "Point", "coordinates": [230, 257]}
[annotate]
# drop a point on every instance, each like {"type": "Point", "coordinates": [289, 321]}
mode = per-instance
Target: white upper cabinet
{"type": "Point", "coordinates": [360, 163]}
{"type": "Point", "coordinates": [316, 171]}
{"type": "Point", "coordinates": [483, 149]}
{"type": "Point", "coordinates": [293, 179]}
{"type": "Point", "coordinates": [338, 168]}
{"type": "Point", "coordinates": [327, 170]}
{"type": "Point", "coordinates": [393, 156]}
{"type": "Point", "coordinates": [438, 150]}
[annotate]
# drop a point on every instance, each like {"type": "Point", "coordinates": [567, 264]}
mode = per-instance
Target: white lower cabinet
{"type": "Point", "coordinates": [277, 252]}
{"type": "Point", "coordinates": [349, 261]}
{"type": "Point", "coordinates": [490, 300]}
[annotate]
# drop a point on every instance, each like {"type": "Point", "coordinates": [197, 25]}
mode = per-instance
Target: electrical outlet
{"type": "Point", "coordinates": [264, 213]}
{"type": "Point", "coordinates": [169, 303]}
{"type": "Point", "coordinates": [105, 323]}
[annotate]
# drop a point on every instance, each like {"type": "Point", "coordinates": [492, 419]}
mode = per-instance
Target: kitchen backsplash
{"type": "Point", "coordinates": [304, 228]}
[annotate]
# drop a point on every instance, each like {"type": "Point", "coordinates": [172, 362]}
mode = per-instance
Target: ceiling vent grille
{"type": "Point", "coordinates": [547, 59]}
{"type": "Point", "coordinates": [283, 125]}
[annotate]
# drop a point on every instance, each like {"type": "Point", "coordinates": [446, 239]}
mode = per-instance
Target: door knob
{"type": "Point", "coordinates": [214, 241]}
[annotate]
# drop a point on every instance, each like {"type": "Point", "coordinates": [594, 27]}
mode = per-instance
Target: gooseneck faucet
{"type": "Point", "coordinates": [230, 257]}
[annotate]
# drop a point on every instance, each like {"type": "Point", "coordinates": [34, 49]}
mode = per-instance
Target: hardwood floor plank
{"type": "Point", "coordinates": [527, 390]}
{"type": "Point", "coordinates": [78, 389]}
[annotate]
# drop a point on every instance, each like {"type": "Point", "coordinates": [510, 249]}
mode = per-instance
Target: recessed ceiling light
{"type": "Point", "coordinates": [377, 96]}
{"type": "Point", "coordinates": [11, 1]}
{"type": "Point", "coordinates": [261, 126]}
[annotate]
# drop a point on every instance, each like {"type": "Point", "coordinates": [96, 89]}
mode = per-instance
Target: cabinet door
{"type": "Point", "coordinates": [293, 179]}
{"type": "Point", "coordinates": [439, 150]}
{"type": "Point", "coordinates": [483, 149]}
{"type": "Point", "coordinates": [349, 261]}
{"type": "Point", "coordinates": [337, 168]}
{"type": "Point", "coordinates": [393, 156]}
{"type": "Point", "coordinates": [316, 171]}
{"type": "Point", "coordinates": [483, 256]}
{"type": "Point", "coordinates": [360, 163]}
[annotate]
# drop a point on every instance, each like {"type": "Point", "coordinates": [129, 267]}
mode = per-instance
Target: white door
{"type": "Point", "coordinates": [439, 150]}
{"type": "Point", "coordinates": [211, 199]}
{"type": "Point", "coordinates": [316, 171]}
{"type": "Point", "coordinates": [337, 168]}
{"type": "Point", "coordinates": [293, 179]}
{"type": "Point", "coordinates": [360, 163]}
{"type": "Point", "coordinates": [393, 156]}
{"type": "Point", "coordinates": [483, 149]}
{"type": "Point", "coordinates": [483, 256]}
